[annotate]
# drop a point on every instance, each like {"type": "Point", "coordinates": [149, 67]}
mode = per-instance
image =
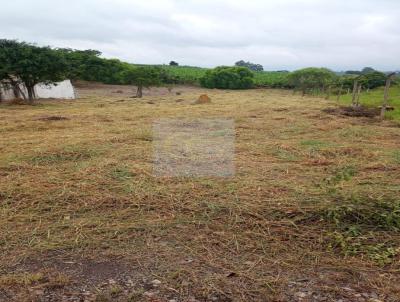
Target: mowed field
{"type": "Point", "coordinates": [311, 214]}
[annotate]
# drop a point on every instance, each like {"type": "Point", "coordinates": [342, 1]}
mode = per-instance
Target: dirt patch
{"type": "Point", "coordinates": [53, 118]}
{"type": "Point", "coordinates": [353, 111]}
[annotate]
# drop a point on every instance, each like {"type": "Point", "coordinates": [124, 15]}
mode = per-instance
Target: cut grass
{"type": "Point", "coordinates": [312, 197]}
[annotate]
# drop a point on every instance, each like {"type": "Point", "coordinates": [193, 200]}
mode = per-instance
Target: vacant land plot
{"type": "Point", "coordinates": [312, 212]}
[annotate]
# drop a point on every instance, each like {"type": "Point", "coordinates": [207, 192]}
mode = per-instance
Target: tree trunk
{"type": "Point", "coordinates": [1, 93]}
{"type": "Point", "coordinates": [139, 92]}
{"type": "Point", "coordinates": [31, 93]}
{"type": "Point", "coordinates": [15, 91]}
{"type": "Point", "coordinates": [339, 93]}
{"type": "Point", "coordinates": [21, 92]}
{"type": "Point", "coordinates": [386, 96]}
{"type": "Point", "coordinates": [355, 87]}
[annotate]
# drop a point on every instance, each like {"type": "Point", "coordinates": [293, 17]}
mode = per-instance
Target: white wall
{"type": "Point", "coordinates": [62, 90]}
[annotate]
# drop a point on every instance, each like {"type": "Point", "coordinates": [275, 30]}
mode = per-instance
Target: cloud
{"type": "Point", "coordinates": [285, 34]}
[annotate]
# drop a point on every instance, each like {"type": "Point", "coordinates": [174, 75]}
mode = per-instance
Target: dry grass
{"type": "Point", "coordinates": [77, 198]}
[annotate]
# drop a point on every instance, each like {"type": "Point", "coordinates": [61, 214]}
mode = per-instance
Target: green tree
{"type": "Point", "coordinates": [224, 77]}
{"type": "Point", "coordinates": [249, 65]}
{"type": "Point", "coordinates": [31, 64]}
{"type": "Point", "coordinates": [373, 79]}
{"type": "Point", "coordinates": [142, 77]}
{"type": "Point", "coordinates": [311, 78]}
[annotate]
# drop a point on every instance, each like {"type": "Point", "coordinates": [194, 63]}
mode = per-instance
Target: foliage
{"type": "Point", "coordinates": [143, 77]}
{"type": "Point", "coordinates": [358, 220]}
{"type": "Point", "coordinates": [87, 65]}
{"type": "Point", "coordinates": [184, 74]}
{"type": "Point", "coordinates": [249, 65]}
{"type": "Point", "coordinates": [272, 79]}
{"type": "Point", "coordinates": [366, 70]}
{"type": "Point", "coordinates": [224, 77]}
{"type": "Point", "coordinates": [31, 64]}
{"type": "Point", "coordinates": [173, 63]}
{"type": "Point", "coordinates": [311, 78]}
{"type": "Point", "coordinates": [192, 75]}
{"type": "Point", "coordinates": [373, 79]}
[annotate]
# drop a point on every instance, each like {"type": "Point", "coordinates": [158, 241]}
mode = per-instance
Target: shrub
{"type": "Point", "coordinates": [224, 77]}
{"type": "Point", "coordinates": [311, 78]}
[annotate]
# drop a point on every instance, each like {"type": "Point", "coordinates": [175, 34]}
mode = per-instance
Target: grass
{"type": "Point", "coordinates": [314, 196]}
{"type": "Point", "coordinates": [374, 98]}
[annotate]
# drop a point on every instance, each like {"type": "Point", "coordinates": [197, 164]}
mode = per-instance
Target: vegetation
{"type": "Point", "coordinates": [249, 65]}
{"type": "Point", "coordinates": [143, 77]}
{"type": "Point", "coordinates": [89, 66]}
{"type": "Point", "coordinates": [224, 77]}
{"type": "Point", "coordinates": [29, 64]}
{"type": "Point", "coordinates": [309, 79]}
{"type": "Point", "coordinates": [314, 196]}
{"type": "Point", "coordinates": [373, 98]}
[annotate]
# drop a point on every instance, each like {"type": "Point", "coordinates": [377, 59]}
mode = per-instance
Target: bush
{"type": "Point", "coordinates": [311, 78]}
{"type": "Point", "coordinates": [224, 77]}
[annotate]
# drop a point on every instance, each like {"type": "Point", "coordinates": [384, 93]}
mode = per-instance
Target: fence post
{"type": "Point", "coordinates": [386, 95]}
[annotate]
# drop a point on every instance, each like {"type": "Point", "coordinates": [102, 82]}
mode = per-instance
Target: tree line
{"type": "Point", "coordinates": [27, 64]}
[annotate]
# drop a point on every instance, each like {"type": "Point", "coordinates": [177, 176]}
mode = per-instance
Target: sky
{"type": "Point", "coordinates": [279, 34]}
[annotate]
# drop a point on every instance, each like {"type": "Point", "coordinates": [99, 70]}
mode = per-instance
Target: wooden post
{"type": "Point", "coordinates": [355, 86]}
{"type": "Point", "coordinates": [358, 95]}
{"type": "Point", "coordinates": [339, 93]}
{"type": "Point", "coordinates": [386, 95]}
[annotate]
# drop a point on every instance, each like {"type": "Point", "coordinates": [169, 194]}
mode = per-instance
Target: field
{"type": "Point", "coordinates": [192, 75]}
{"type": "Point", "coordinates": [312, 212]}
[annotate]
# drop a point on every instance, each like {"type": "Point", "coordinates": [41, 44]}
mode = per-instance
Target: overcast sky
{"type": "Point", "coordinates": [279, 34]}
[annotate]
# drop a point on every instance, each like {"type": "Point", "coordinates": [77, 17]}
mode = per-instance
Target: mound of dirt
{"type": "Point", "coordinates": [203, 99]}
{"type": "Point", "coordinates": [360, 111]}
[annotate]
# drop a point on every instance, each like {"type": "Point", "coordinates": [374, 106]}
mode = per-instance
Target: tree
{"type": "Point", "coordinates": [249, 65]}
{"type": "Point", "coordinates": [224, 77]}
{"type": "Point", "coordinates": [366, 70]}
{"type": "Point", "coordinates": [173, 63]}
{"type": "Point", "coordinates": [31, 64]}
{"type": "Point", "coordinates": [373, 79]}
{"type": "Point", "coordinates": [143, 77]}
{"type": "Point", "coordinates": [311, 78]}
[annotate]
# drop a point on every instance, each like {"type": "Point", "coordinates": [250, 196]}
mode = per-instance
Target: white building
{"type": "Point", "coordinates": [60, 90]}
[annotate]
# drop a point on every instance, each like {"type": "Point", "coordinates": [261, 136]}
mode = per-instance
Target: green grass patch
{"type": "Point", "coordinates": [374, 98]}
